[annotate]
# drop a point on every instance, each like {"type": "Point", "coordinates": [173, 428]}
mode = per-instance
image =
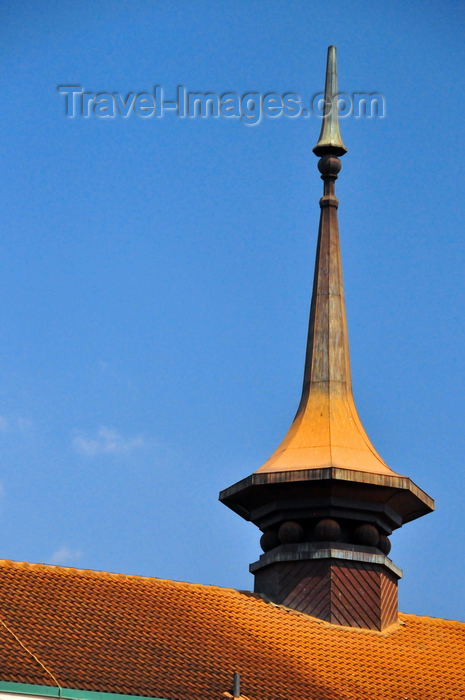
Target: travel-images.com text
{"type": "Point", "coordinates": [249, 108]}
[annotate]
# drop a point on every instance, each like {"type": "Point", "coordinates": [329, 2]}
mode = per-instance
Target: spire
{"type": "Point", "coordinates": [327, 430]}
{"type": "Point", "coordinates": [325, 501]}
{"type": "Point", "coordinates": [330, 141]}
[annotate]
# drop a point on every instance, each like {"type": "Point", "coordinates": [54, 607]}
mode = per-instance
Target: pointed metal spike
{"type": "Point", "coordinates": [330, 141]}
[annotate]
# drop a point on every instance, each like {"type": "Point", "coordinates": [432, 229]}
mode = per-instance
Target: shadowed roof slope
{"type": "Point", "coordinates": [144, 636]}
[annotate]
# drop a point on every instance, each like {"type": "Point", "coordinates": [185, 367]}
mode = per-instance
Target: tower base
{"type": "Point", "coordinates": [354, 589]}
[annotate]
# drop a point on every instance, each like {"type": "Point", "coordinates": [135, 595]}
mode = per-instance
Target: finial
{"type": "Point", "coordinates": [330, 141]}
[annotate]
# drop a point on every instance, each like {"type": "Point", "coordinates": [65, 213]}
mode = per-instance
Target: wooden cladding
{"type": "Point", "coordinates": [351, 593]}
{"type": "Point", "coordinates": [388, 600]}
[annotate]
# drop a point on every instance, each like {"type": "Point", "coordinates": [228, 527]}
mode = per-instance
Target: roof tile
{"type": "Point", "coordinates": [145, 636]}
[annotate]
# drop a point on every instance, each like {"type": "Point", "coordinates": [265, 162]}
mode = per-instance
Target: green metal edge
{"type": "Point", "coordinates": [57, 692]}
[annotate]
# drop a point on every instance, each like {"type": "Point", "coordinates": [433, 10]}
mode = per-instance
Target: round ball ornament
{"type": "Point", "coordinates": [290, 532]}
{"type": "Point", "coordinates": [384, 544]}
{"type": "Point", "coordinates": [367, 535]}
{"type": "Point", "coordinates": [328, 530]}
{"type": "Point", "coordinates": [329, 165]}
{"type": "Point", "coordinates": [269, 540]}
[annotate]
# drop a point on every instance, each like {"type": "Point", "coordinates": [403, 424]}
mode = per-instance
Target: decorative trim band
{"type": "Point", "coordinates": [303, 553]}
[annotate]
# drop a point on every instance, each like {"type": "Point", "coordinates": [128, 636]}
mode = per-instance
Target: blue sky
{"type": "Point", "coordinates": [155, 277]}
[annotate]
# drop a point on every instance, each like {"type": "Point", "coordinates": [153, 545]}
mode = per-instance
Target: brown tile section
{"type": "Point", "coordinates": [141, 636]}
{"type": "Point", "coordinates": [17, 665]}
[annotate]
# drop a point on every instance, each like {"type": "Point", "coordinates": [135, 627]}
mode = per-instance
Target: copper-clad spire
{"type": "Point", "coordinates": [330, 141]}
{"type": "Point", "coordinates": [325, 501]}
{"type": "Point", "coordinates": [327, 430]}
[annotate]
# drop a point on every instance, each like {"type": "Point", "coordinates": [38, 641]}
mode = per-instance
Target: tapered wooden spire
{"type": "Point", "coordinates": [327, 430]}
{"type": "Point", "coordinates": [325, 501]}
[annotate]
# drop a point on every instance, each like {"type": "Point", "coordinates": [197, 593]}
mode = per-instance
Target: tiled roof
{"type": "Point", "coordinates": [145, 636]}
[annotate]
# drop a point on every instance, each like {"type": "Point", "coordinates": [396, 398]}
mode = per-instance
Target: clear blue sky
{"type": "Point", "coordinates": [155, 276]}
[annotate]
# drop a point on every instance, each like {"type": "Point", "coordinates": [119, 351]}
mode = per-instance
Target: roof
{"type": "Point", "coordinates": [145, 636]}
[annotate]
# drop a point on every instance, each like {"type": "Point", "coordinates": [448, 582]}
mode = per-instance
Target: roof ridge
{"type": "Point", "coordinates": [97, 573]}
{"type": "Point", "coordinates": [433, 619]}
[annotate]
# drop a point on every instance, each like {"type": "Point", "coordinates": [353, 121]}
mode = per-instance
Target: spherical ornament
{"type": "Point", "coordinates": [384, 544]}
{"type": "Point", "coordinates": [328, 530]}
{"type": "Point", "coordinates": [290, 532]}
{"type": "Point", "coordinates": [269, 540]}
{"type": "Point", "coordinates": [329, 165]}
{"type": "Point", "coordinates": [367, 535]}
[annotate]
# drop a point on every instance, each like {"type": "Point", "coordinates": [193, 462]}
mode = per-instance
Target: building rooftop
{"type": "Point", "coordinates": [131, 635]}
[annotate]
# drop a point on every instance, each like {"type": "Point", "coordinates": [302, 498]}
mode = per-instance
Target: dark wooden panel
{"type": "Point", "coordinates": [389, 600]}
{"type": "Point", "coordinates": [318, 601]}
{"type": "Point", "coordinates": [310, 587]}
{"type": "Point", "coordinates": [311, 590]}
{"type": "Point", "coordinates": [369, 580]}
{"type": "Point", "coordinates": [292, 574]}
{"type": "Point", "coordinates": [355, 594]}
{"type": "Point", "coordinates": [345, 603]}
{"type": "Point", "coordinates": [353, 598]}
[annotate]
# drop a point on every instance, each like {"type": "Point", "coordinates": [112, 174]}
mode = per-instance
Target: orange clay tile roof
{"type": "Point", "coordinates": [144, 636]}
